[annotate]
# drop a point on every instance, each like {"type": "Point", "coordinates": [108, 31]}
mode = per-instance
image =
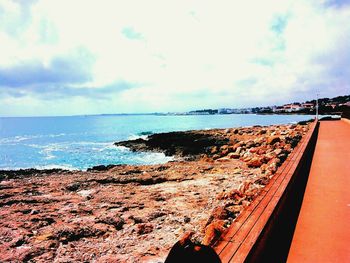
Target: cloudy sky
{"type": "Point", "coordinates": [70, 57]}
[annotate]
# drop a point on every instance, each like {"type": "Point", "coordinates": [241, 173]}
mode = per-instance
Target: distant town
{"type": "Point", "coordinates": [325, 106]}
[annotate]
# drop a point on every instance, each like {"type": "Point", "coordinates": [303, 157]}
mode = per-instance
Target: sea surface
{"type": "Point", "coordinates": [80, 142]}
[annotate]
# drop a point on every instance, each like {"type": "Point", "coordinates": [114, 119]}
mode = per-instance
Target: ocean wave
{"type": "Point", "coordinates": [145, 133]}
{"type": "Point", "coordinates": [56, 166]}
{"type": "Point", "coordinates": [42, 167]}
{"type": "Point", "coordinates": [47, 152]}
{"type": "Point", "coordinates": [20, 138]}
{"type": "Point", "coordinates": [135, 137]}
{"type": "Point", "coordinates": [15, 139]}
{"type": "Point", "coordinates": [153, 158]}
{"type": "Point", "coordinates": [122, 148]}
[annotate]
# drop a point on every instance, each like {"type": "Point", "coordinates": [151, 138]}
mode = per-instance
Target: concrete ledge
{"type": "Point", "coordinates": [263, 231]}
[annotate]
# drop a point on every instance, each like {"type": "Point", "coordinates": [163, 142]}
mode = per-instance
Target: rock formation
{"type": "Point", "coordinates": [122, 213]}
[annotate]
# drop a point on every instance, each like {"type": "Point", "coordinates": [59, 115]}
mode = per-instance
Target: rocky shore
{"type": "Point", "coordinates": [123, 213]}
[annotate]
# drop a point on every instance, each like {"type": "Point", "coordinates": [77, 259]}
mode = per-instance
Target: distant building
{"type": "Point", "coordinates": [307, 105]}
{"type": "Point", "coordinates": [333, 105]}
{"type": "Point", "coordinates": [292, 107]}
{"type": "Point", "coordinates": [226, 111]}
{"type": "Point", "coordinates": [278, 109]}
{"type": "Point", "coordinates": [203, 112]}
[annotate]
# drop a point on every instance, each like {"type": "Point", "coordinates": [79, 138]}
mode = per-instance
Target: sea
{"type": "Point", "coordinates": [81, 142]}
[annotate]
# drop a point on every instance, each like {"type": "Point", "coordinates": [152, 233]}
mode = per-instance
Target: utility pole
{"type": "Point", "coordinates": [317, 106]}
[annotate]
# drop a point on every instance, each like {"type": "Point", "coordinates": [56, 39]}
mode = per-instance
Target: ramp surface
{"type": "Point", "coordinates": [322, 232]}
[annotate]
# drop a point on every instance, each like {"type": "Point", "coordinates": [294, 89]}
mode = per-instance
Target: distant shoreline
{"type": "Point", "coordinates": [158, 114]}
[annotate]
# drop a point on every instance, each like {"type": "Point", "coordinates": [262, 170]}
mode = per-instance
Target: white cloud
{"type": "Point", "coordinates": [182, 54]}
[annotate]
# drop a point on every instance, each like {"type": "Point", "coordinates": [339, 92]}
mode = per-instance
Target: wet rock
{"type": "Point", "coordinates": [176, 143]}
{"type": "Point", "coordinates": [99, 168]}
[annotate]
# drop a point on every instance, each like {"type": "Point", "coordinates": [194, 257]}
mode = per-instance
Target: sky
{"type": "Point", "coordinates": [76, 57]}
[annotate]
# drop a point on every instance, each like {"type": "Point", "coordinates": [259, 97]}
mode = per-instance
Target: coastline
{"type": "Point", "coordinates": [138, 212]}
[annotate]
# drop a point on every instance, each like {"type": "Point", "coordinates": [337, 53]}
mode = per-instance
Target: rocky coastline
{"type": "Point", "coordinates": [124, 213]}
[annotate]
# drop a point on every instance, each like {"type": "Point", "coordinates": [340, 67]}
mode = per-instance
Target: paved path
{"type": "Point", "coordinates": [323, 229]}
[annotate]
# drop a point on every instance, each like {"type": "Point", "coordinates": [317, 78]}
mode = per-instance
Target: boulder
{"type": "Point", "coordinates": [144, 228]}
{"type": "Point", "coordinates": [214, 150]}
{"type": "Point", "coordinates": [111, 219]}
{"type": "Point", "coordinates": [233, 155]}
{"type": "Point", "coordinates": [216, 156]}
{"type": "Point", "coordinates": [255, 162]}
{"type": "Point", "coordinates": [223, 159]}
{"type": "Point", "coordinates": [273, 139]}
{"type": "Point", "coordinates": [213, 231]}
{"type": "Point", "coordinates": [238, 149]}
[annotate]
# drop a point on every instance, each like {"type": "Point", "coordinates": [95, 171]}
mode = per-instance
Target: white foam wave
{"type": "Point", "coordinates": [42, 167]}
{"type": "Point", "coordinates": [153, 158]}
{"type": "Point", "coordinates": [135, 137]}
{"type": "Point", "coordinates": [20, 138]}
{"type": "Point", "coordinates": [14, 139]}
{"type": "Point", "coordinates": [47, 152]}
{"type": "Point", "coordinates": [56, 166]}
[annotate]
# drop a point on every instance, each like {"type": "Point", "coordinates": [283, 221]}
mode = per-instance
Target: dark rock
{"type": "Point", "coordinates": [273, 139]}
{"type": "Point", "coordinates": [187, 219]}
{"type": "Point", "coordinates": [176, 143]}
{"type": "Point", "coordinates": [112, 219]}
{"type": "Point", "coordinates": [305, 122]}
{"type": "Point", "coordinates": [99, 168]}
{"type": "Point", "coordinates": [156, 214]}
{"type": "Point", "coordinates": [73, 186]}
{"type": "Point", "coordinates": [144, 228]}
{"type": "Point", "coordinates": [22, 173]}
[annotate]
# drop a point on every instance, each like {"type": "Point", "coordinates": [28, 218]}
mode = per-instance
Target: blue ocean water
{"type": "Point", "coordinates": [80, 142]}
